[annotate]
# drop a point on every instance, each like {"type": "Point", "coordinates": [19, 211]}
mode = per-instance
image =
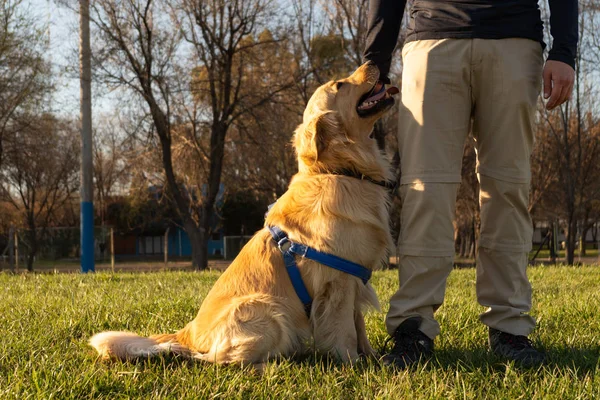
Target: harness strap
{"type": "Point", "coordinates": [285, 246]}
{"type": "Point", "coordinates": [338, 263]}
{"type": "Point", "coordinates": [289, 249]}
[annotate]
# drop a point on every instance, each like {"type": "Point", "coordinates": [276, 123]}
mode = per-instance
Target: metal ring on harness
{"type": "Point", "coordinates": [284, 245]}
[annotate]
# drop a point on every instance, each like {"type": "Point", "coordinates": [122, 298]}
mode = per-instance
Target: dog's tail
{"type": "Point", "coordinates": [129, 346]}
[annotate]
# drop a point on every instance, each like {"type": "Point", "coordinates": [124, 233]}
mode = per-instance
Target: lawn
{"type": "Point", "coordinates": [46, 320]}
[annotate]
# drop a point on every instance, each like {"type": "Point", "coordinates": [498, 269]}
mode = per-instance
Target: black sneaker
{"type": "Point", "coordinates": [410, 345]}
{"type": "Point", "coordinates": [516, 348]}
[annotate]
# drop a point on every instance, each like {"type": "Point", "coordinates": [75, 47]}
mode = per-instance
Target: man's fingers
{"type": "Point", "coordinates": [547, 76]}
{"type": "Point", "coordinates": [567, 94]}
{"type": "Point", "coordinates": [564, 95]}
{"type": "Point", "coordinates": [554, 96]}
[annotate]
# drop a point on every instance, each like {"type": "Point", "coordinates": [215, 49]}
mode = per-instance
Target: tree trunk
{"type": "Point", "coordinates": [473, 249]}
{"type": "Point", "coordinates": [11, 248]}
{"type": "Point", "coordinates": [30, 258]}
{"type": "Point", "coordinates": [217, 146]}
{"type": "Point", "coordinates": [571, 240]}
{"type": "Point", "coordinates": [585, 228]}
{"type": "Point", "coordinates": [464, 243]}
{"type": "Point", "coordinates": [205, 233]}
{"type": "Point", "coordinates": [197, 242]}
{"type": "Point", "coordinates": [32, 249]}
{"type": "Point", "coordinates": [194, 232]}
{"type": "Point", "coordinates": [457, 239]}
{"type": "Point", "coordinates": [551, 242]}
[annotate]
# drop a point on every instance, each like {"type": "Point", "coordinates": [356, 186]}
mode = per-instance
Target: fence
{"type": "Point", "coordinates": [48, 245]}
{"type": "Point", "coordinates": [58, 249]}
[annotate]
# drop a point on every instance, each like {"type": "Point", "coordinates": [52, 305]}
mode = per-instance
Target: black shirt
{"type": "Point", "coordinates": [483, 19]}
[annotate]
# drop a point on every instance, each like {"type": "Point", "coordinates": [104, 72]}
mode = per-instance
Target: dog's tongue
{"type": "Point", "coordinates": [392, 90]}
{"type": "Point", "coordinates": [372, 100]}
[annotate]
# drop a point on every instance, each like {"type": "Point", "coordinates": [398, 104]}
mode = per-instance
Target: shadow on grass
{"type": "Point", "coordinates": [579, 361]}
{"type": "Point", "coordinates": [172, 362]}
{"type": "Point", "coordinates": [583, 359]}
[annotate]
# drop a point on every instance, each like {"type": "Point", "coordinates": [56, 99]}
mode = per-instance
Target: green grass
{"type": "Point", "coordinates": [45, 321]}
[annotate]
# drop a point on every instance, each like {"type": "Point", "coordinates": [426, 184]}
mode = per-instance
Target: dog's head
{"type": "Point", "coordinates": [336, 130]}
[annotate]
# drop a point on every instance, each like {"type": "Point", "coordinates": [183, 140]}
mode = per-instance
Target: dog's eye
{"type": "Point", "coordinates": [338, 85]}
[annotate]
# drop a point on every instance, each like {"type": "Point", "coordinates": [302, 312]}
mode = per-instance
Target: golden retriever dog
{"type": "Point", "coordinates": [252, 313]}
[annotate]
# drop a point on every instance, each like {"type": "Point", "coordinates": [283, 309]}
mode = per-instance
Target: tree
{"type": "Point", "coordinates": [575, 143]}
{"type": "Point", "coordinates": [571, 143]}
{"type": "Point", "coordinates": [40, 175]}
{"type": "Point", "coordinates": [137, 49]}
{"type": "Point", "coordinates": [111, 167]}
{"type": "Point", "coordinates": [23, 77]}
{"type": "Point", "coordinates": [224, 37]}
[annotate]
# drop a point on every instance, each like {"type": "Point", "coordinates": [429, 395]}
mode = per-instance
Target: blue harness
{"type": "Point", "coordinates": [290, 249]}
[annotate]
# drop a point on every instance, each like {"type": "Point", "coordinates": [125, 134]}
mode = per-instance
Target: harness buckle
{"type": "Point", "coordinates": [284, 245]}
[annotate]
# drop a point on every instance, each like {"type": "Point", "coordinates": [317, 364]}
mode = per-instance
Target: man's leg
{"type": "Point", "coordinates": [426, 224]}
{"type": "Point", "coordinates": [506, 85]}
{"type": "Point", "coordinates": [434, 121]}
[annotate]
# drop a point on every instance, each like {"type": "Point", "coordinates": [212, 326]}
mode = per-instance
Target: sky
{"type": "Point", "coordinates": [64, 41]}
{"type": "Point", "coordinates": [63, 32]}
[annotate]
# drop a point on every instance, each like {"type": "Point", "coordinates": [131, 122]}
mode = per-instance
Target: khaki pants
{"type": "Point", "coordinates": [448, 87]}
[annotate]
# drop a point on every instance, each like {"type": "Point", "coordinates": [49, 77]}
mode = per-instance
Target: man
{"type": "Point", "coordinates": [468, 65]}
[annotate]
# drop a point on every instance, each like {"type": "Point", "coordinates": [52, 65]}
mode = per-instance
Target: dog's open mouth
{"type": "Point", "coordinates": [372, 103]}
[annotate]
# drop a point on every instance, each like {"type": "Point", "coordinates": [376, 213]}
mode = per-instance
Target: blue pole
{"type": "Point", "coordinates": [87, 237]}
{"type": "Point", "coordinates": [87, 188]}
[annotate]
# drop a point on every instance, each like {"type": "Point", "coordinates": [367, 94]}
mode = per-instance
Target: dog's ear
{"type": "Point", "coordinates": [317, 132]}
{"type": "Point", "coordinates": [313, 138]}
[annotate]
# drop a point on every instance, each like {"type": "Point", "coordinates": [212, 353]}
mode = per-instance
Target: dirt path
{"type": "Point", "coordinates": [141, 266]}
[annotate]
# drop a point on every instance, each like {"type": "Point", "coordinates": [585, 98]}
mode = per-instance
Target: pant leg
{"type": "Point", "coordinates": [426, 229]}
{"type": "Point", "coordinates": [506, 85]}
{"type": "Point", "coordinates": [434, 121]}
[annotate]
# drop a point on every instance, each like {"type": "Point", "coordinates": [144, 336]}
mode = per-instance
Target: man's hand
{"type": "Point", "coordinates": [558, 83]}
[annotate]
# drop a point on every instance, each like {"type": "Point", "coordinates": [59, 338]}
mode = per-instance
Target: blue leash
{"type": "Point", "coordinates": [290, 249]}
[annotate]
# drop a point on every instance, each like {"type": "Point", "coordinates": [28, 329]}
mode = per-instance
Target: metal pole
{"type": "Point", "coordinates": [11, 249]}
{"type": "Point", "coordinates": [112, 250]}
{"type": "Point", "coordinates": [167, 248]}
{"type": "Point", "coordinates": [179, 231]}
{"type": "Point", "coordinates": [87, 191]}
{"type": "Point", "coordinates": [17, 250]}
{"type": "Point", "coordinates": [556, 241]}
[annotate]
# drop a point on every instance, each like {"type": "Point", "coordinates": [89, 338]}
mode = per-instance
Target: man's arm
{"type": "Point", "coordinates": [383, 27]}
{"type": "Point", "coordinates": [559, 73]}
{"type": "Point", "coordinates": [564, 25]}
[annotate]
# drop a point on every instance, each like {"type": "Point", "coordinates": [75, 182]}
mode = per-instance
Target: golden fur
{"type": "Point", "coordinates": [252, 313]}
